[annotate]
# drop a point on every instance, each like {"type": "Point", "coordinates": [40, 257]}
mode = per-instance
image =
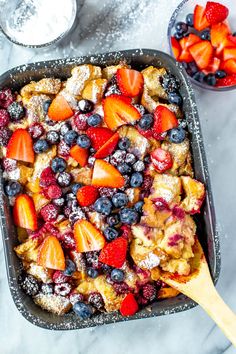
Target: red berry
{"type": "Point", "coordinates": [68, 241]}
{"type": "Point", "coordinates": [80, 121]}
{"type": "Point", "coordinates": [63, 149]}
{"type": "Point", "coordinates": [5, 135]}
{"type": "Point", "coordinates": [149, 292]}
{"type": "Point", "coordinates": [147, 183]}
{"type": "Point", "coordinates": [4, 118]}
{"type": "Point", "coordinates": [121, 288]}
{"type": "Point", "coordinates": [162, 160]}
{"type": "Point", "coordinates": [53, 191]}
{"type": "Point", "coordinates": [36, 130]}
{"type": "Point", "coordinates": [49, 212]}
{"type": "Point", "coordinates": [51, 229]}
{"type": "Point", "coordinates": [9, 164]}
{"type": "Point", "coordinates": [75, 297]}
{"type": "Point", "coordinates": [160, 204]}
{"type": "Point", "coordinates": [58, 277]}
{"type": "Point", "coordinates": [126, 231]}
{"type": "Point", "coordinates": [6, 97]}
{"type": "Point", "coordinates": [129, 305]}
{"type": "Point", "coordinates": [215, 12]}
{"type": "Point", "coordinates": [47, 177]}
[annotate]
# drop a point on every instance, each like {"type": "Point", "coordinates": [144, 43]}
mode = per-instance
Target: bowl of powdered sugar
{"type": "Point", "coordinates": [37, 23]}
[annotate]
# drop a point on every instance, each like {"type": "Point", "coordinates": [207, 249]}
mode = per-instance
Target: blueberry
{"type": "Point", "coordinates": [139, 206]}
{"type": "Point", "coordinates": [117, 275]}
{"type": "Point", "coordinates": [110, 233]}
{"type": "Point", "coordinates": [30, 285]}
{"type": "Point", "coordinates": [124, 168]}
{"type": "Point", "coordinates": [58, 164]}
{"type": "Point", "coordinates": [210, 79]}
{"type": "Point", "coordinates": [92, 273]}
{"type": "Point", "coordinates": [139, 166]}
{"type": "Point", "coordinates": [146, 122]}
{"type": "Point", "coordinates": [130, 159]}
{"type": "Point", "coordinates": [189, 20]}
{"type": "Point", "coordinates": [103, 205]}
{"type": "Point", "coordinates": [220, 74]}
{"type": "Point", "coordinates": [65, 128]}
{"type": "Point", "coordinates": [85, 106]}
{"type": "Point", "coordinates": [94, 120]}
{"type": "Point", "coordinates": [205, 35]}
{"type": "Point", "coordinates": [170, 83]}
{"type": "Point", "coordinates": [124, 144]}
{"type": "Point", "coordinates": [12, 188]}
{"type": "Point", "coordinates": [41, 146]}
{"type": "Point", "coordinates": [181, 27]}
{"type": "Point", "coordinates": [120, 199]}
{"type": "Point", "coordinates": [192, 68]}
{"type": "Point", "coordinates": [64, 179]}
{"type": "Point", "coordinates": [70, 267]}
{"type": "Point", "coordinates": [70, 137]}
{"type": "Point", "coordinates": [82, 310]}
{"type": "Point", "coordinates": [113, 220]}
{"type": "Point", "coordinates": [129, 216]}
{"type": "Point", "coordinates": [52, 137]}
{"type": "Point", "coordinates": [75, 187]}
{"type": "Point", "coordinates": [147, 159]}
{"type": "Point", "coordinates": [46, 105]}
{"type": "Point", "coordinates": [47, 289]}
{"type": "Point", "coordinates": [176, 135]}
{"type": "Point", "coordinates": [178, 36]}
{"type": "Point", "coordinates": [59, 202]}
{"type": "Point", "coordinates": [184, 64]}
{"type": "Point", "coordinates": [199, 76]}
{"type": "Point", "coordinates": [175, 98]}
{"type": "Point", "coordinates": [16, 111]}
{"type": "Point", "coordinates": [83, 141]}
{"type": "Point", "coordinates": [136, 179]}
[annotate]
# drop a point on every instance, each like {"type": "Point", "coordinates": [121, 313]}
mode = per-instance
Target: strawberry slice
{"type": "Point", "coordinates": [24, 213]}
{"type": "Point", "coordinates": [130, 82]}
{"type": "Point", "coordinates": [87, 195]}
{"type": "Point", "coordinates": [229, 80]}
{"type": "Point", "coordinates": [51, 254]}
{"type": "Point", "coordinates": [118, 111]}
{"type": "Point", "coordinates": [59, 109]}
{"type": "Point", "coordinates": [87, 237]}
{"type": "Point", "coordinates": [185, 56]}
{"type": "Point", "coordinates": [232, 40]}
{"type": "Point", "coordinates": [106, 175]}
{"type": "Point", "coordinates": [114, 253]}
{"type": "Point", "coordinates": [188, 41]}
{"type": "Point", "coordinates": [202, 53]}
{"type": "Point", "coordinates": [199, 19]}
{"type": "Point", "coordinates": [99, 136]}
{"type": "Point", "coordinates": [213, 66]}
{"type": "Point", "coordinates": [161, 159]}
{"type": "Point", "coordinates": [215, 12]}
{"type": "Point", "coordinates": [229, 53]}
{"type": "Point", "coordinates": [129, 305]}
{"type": "Point", "coordinates": [229, 66]}
{"type": "Point", "coordinates": [80, 155]}
{"type": "Point", "coordinates": [176, 49]}
{"type": "Point", "coordinates": [219, 37]}
{"type": "Point", "coordinates": [20, 146]}
{"type": "Point", "coordinates": [108, 147]}
{"type": "Point", "coordinates": [164, 120]}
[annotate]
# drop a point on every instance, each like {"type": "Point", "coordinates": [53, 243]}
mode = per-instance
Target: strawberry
{"type": "Point", "coordinates": [229, 66]}
{"type": "Point", "coordinates": [215, 12]}
{"type": "Point", "coordinates": [59, 109]}
{"type": "Point", "coordinates": [129, 305]}
{"type": "Point", "coordinates": [87, 237]}
{"type": "Point", "coordinates": [130, 82]}
{"type": "Point", "coordinates": [185, 56]}
{"type": "Point", "coordinates": [229, 53]}
{"type": "Point", "coordinates": [24, 213]}
{"type": "Point", "coordinates": [87, 195]}
{"type": "Point", "coordinates": [164, 120]}
{"type": "Point", "coordinates": [106, 175]}
{"type": "Point", "coordinates": [161, 159]}
{"type": "Point", "coordinates": [202, 53]}
{"type": "Point", "coordinates": [176, 49]}
{"type": "Point", "coordinates": [199, 19]}
{"type": "Point", "coordinates": [20, 146]}
{"type": "Point", "coordinates": [51, 254]}
{"type": "Point", "coordinates": [213, 66]}
{"type": "Point", "coordinates": [188, 41]}
{"type": "Point", "coordinates": [80, 155]}
{"type": "Point", "coordinates": [219, 37]}
{"type": "Point", "coordinates": [229, 80]}
{"type": "Point", "coordinates": [99, 136]}
{"type": "Point", "coordinates": [108, 147]}
{"type": "Point", "coordinates": [47, 177]}
{"type": "Point", "coordinates": [114, 253]}
{"type": "Point", "coordinates": [118, 111]}
{"type": "Point", "coordinates": [232, 39]}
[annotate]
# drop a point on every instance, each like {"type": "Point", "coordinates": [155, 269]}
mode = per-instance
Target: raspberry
{"type": "Point", "coordinates": [67, 211]}
{"type": "Point", "coordinates": [9, 165]}
{"type": "Point", "coordinates": [36, 130]}
{"type": "Point", "coordinates": [4, 118]}
{"type": "Point", "coordinates": [53, 191]}
{"type": "Point", "coordinates": [147, 183]}
{"type": "Point", "coordinates": [62, 289]}
{"type": "Point", "coordinates": [51, 229]}
{"type": "Point", "coordinates": [63, 149]}
{"type": "Point", "coordinates": [107, 192]}
{"type": "Point", "coordinates": [121, 288]}
{"type": "Point", "coordinates": [178, 212]}
{"type": "Point", "coordinates": [68, 241]}
{"type": "Point", "coordinates": [126, 231]}
{"type": "Point", "coordinates": [161, 204]}
{"type": "Point", "coordinates": [47, 177]}
{"type": "Point", "coordinates": [49, 212]}
{"type": "Point", "coordinates": [80, 121]}
{"type": "Point", "coordinates": [149, 292]}
{"type": "Point", "coordinates": [5, 135]}
{"type": "Point", "coordinates": [6, 97]}
{"type": "Point", "coordinates": [96, 300]}
{"type": "Point", "coordinates": [118, 157]}
{"type": "Point", "coordinates": [75, 297]}
{"type": "Point", "coordinates": [58, 277]}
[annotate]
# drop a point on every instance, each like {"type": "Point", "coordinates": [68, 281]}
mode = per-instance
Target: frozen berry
{"type": "Point", "coordinates": [130, 159]}
{"type": "Point", "coordinates": [70, 267]}
{"type": "Point", "coordinates": [9, 165]}
{"type": "Point", "coordinates": [58, 164]}
{"type": "Point", "coordinates": [80, 121]}
{"type": "Point", "coordinates": [65, 128]}
{"type": "Point", "coordinates": [36, 130]}
{"type": "Point", "coordinates": [107, 192]}
{"type": "Point", "coordinates": [199, 76]}
{"type": "Point", "coordinates": [13, 188]}
{"type": "Point", "coordinates": [53, 192]}
{"type": "Point", "coordinates": [58, 277]}
{"type": "Point", "coordinates": [149, 292]}
{"type": "Point", "coordinates": [103, 205]}
{"type": "Point", "coordinates": [129, 216]}
{"type": "Point", "coordinates": [120, 200]}
{"type": "Point", "coordinates": [4, 118]}
{"type": "Point", "coordinates": [30, 285]}
{"type": "Point", "coordinates": [62, 289]}
{"type": "Point", "coordinates": [140, 108]}
{"type": "Point", "coordinates": [220, 74]}
{"type": "Point", "coordinates": [83, 310]}
{"type": "Point", "coordinates": [59, 202]}
{"type": "Point", "coordinates": [118, 157]}
{"type": "Point", "coordinates": [121, 288]}
{"type": "Point", "coordinates": [47, 289]}
{"type": "Point", "coordinates": [50, 228]}
{"type": "Point", "coordinates": [5, 135]}
{"type": "Point", "coordinates": [49, 212]}
{"type": "Point", "coordinates": [6, 97]}
{"type": "Point", "coordinates": [176, 135]}
{"type": "Point", "coordinates": [52, 137]}
{"type": "Point", "coordinates": [139, 166]}
{"type": "Point", "coordinates": [63, 149]}
{"type": "Point", "coordinates": [94, 120]}
{"type": "Point", "coordinates": [147, 183]}
{"type": "Point", "coordinates": [16, 111]}
{"type": "Point", "coordinates": [124, 168]}
{"type": "Point", "coordinates": [47, 177]}
{"type": "Point", "coordinates": [75, 297]}
{"type": "Point", "coordinates": [210, 79]}
{"type": "Point", "coordinates": [41, 146]}
{"type": "Point", "coordinates": [124, 144]}
{"type": "Point", "coordinates": [96, 300]}
{"type": "Point", "coordinates": [85, 106]}
{"type": "Point", "coordinates": [92, 259]}
{"type": "Point", "coordinates": [68, 240]}
{"type": "Point", "coordinates": [64, 179]}
{"type": "Point", "coordinates": [205, 35]}
{"type": "Point", "coordinates": [170, 83]}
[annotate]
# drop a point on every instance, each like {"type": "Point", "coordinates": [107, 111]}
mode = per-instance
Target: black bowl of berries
{"type": "Point", "coordinates": [202, 37]}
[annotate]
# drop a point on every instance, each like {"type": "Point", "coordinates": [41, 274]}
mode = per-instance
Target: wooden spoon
{"type": "Point", "coordinates": [200, 288]}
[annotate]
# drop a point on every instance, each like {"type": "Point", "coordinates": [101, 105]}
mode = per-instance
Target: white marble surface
{"type": "Point", "coordinates": [121, 24]}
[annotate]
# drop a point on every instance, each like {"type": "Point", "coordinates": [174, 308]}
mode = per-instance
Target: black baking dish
{"type": "Point", "coordinates": [139, 59]}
